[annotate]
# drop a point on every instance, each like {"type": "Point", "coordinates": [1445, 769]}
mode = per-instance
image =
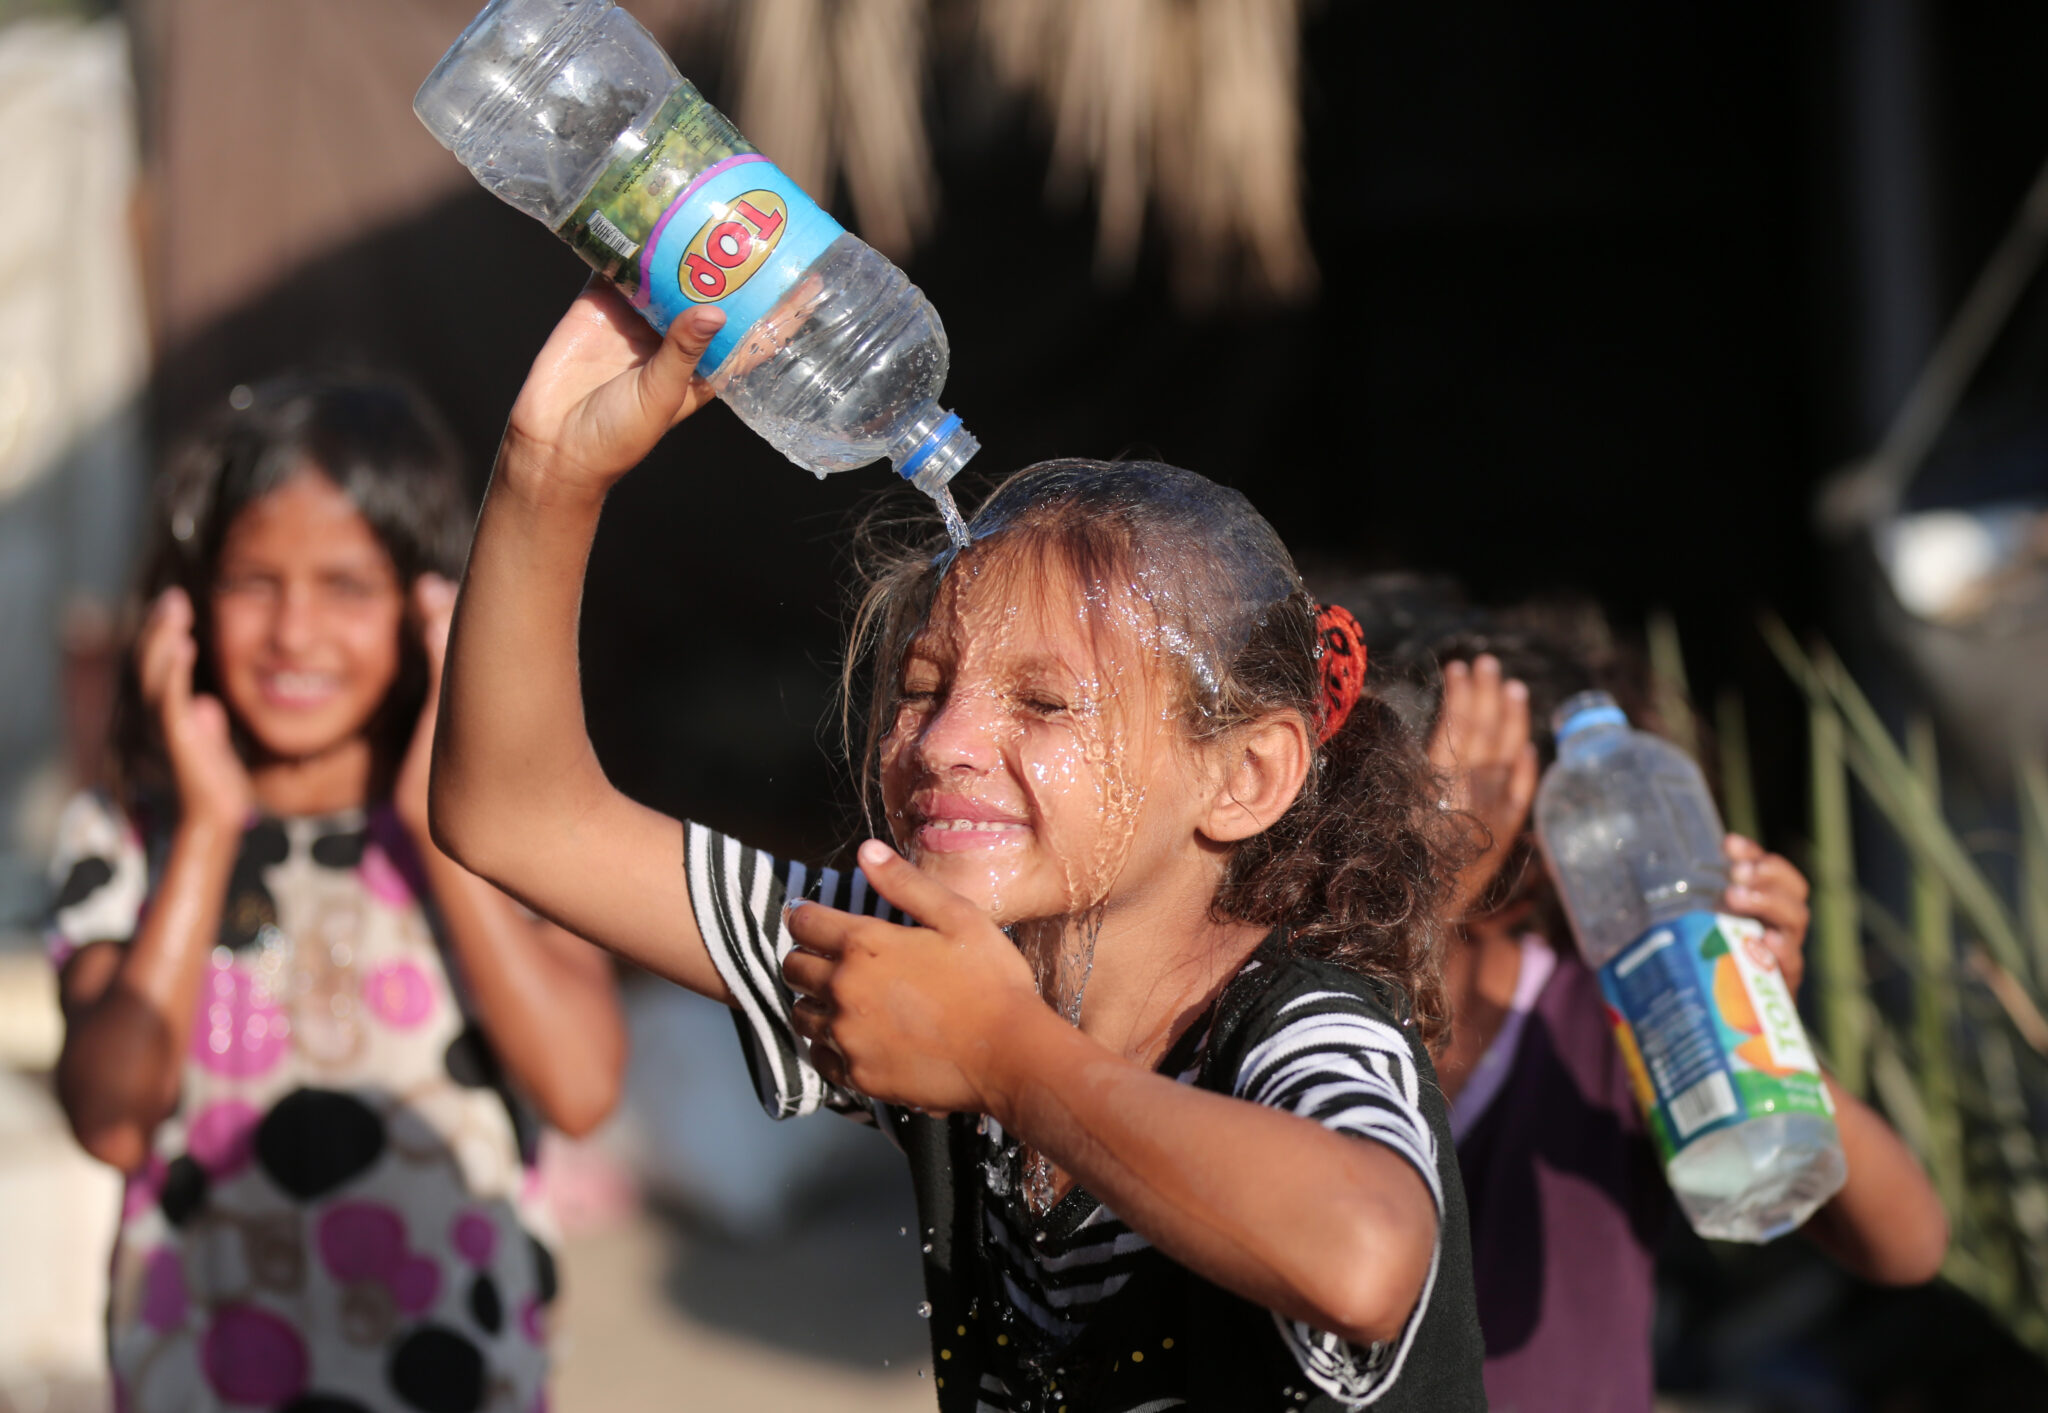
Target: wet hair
{"type": "Point", "coordinates": [1356, 870]}
{"type": "Point", "coordinates": [378, 442]}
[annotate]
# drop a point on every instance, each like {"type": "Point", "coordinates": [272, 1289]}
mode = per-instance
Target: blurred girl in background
{"type": "Point", "coordinates": [1567, 1197]}
{"type": "Point", "coordinates": [307, 1035]}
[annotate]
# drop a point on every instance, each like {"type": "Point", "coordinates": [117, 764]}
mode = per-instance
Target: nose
{"type": "Point", "coordinates": [292, 626]}
{"type": "Point", "coordinates": [961, 735]}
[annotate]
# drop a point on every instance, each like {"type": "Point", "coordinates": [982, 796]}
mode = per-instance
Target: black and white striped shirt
{"type": "Point", "coordinates": [1072, 1309]}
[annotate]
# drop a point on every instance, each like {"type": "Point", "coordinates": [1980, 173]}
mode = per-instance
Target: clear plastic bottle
{"type": "Point", "coordinates": [1720, 1063]}
{"type": "Point", "coordinates": [571, 112]}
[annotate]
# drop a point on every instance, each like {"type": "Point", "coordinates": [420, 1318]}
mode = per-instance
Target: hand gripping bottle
{"type": "Point", "coordinates": [1720, 1063]}
{"type": "Point", "coordinates": [570, 111]}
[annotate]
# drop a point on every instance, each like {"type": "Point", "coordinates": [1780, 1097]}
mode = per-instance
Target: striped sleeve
{"type": "Point", "coordinates": [738, 894]}
{"type": "Point", "coordinates": [1334, 1057]}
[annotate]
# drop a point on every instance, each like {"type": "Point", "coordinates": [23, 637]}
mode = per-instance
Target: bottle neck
{"type": "Point", "coordinates": [1590, 741]}
{"type": "Point", "coordinates": [932, 450]}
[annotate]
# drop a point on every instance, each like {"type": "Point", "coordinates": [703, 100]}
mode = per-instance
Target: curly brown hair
{"type": "Point", "coordinates": [1358, 869]}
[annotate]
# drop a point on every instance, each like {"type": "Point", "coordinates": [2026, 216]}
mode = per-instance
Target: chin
{"type": "Point", "coordinates": [291, 736]}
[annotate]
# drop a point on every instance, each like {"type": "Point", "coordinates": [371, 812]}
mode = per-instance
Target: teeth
{"type": "Point", "coordinates": [975, 824]}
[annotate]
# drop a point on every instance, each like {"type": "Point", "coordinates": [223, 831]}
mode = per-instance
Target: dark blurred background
{"type": "Point", "coordinates": [1604, 295]}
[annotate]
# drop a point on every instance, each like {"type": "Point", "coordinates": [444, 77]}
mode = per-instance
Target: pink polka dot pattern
{"type": "Point", "coordinates": [220, 1136]}
{"type": "Point", "coordinates": [385, 882]}
{"type": "Point", "coordinates": [362, 1241]}
{"type": "Point", "coordinates": [164, 1301]}
{"type": "Point", "coordinates": [474, 1238]}
{"type": "Point", "coordinates": [251, 1356]}
{"type": "Point", "coordinates": [415, 1284]}
{"type": "Point", "coordinates": [531, 1322]}
{"type": "Point", "coordinates": [239, 1034]}
{"type": "Point", "coordinates": [399, 994]}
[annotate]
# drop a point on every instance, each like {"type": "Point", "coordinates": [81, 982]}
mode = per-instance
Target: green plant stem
{"type": "Point", "coordinates": [1668, 684]}
{"type": "Point", "coordinates": [2032, 775]}
{"type": "Point", "coordinates": [1934, 992]}
{"type": "Point", "coordinates": [1844, 1018]}
{"type": "Point", "coordinates": [1738, 782]}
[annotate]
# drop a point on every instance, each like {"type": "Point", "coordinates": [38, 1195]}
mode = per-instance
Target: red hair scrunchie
{"type": "Point", "coordinates": [1341, 661]}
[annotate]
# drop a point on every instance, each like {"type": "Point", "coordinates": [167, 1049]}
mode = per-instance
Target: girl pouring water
{"type": "Point", "coordinates": [1142, 968]}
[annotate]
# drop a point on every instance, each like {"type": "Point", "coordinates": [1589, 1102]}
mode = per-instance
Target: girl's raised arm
{"type": "Point", "coordinates": [518, 795]}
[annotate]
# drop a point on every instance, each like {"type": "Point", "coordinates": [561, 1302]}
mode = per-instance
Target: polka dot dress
{"type": "Point", "coordinates": [340, 1215]}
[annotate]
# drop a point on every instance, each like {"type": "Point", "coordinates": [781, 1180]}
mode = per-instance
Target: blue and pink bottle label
{"type": "Point", "coordinates": [740, 237]}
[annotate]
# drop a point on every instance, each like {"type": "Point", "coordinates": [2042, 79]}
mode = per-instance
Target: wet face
{"type": "Point", "coordinates": [1036, 764]}
{"type": "Point", "coordinates": [307, 610]}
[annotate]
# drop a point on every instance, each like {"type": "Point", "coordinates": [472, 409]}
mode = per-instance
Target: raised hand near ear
{"type": "Point", "coordinates": [606, 387]}
{"type": "Point", "coordinates": [909, 1015]}
{"type": "Point", "coordinates": [213, 784]}
{"type": "Point", "coordinates": [1482, 748]}
{"type": "Point", "coordinates": [433, 608]}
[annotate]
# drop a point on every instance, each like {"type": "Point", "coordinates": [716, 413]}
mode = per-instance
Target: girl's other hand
{"type": "Point", "coordinates": [213, 784]}
{"type": "Point", "coordinates": [605, 388]}
{"type": "Point", "coordinates": [1768, 888]}
{"type": "Point", "coordinates": [908, 1015]}
{"type": "Point", "coordinates": [1482, 747]}
{"type": "Point", "coordinates": [433, 607]}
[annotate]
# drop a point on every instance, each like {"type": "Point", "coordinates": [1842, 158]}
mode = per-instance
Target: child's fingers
{"type": "Point", "coordinates": [1740, 849]}
{"type": "Point", "coordinates": [1777, 874]}
{"type": "Point", "coordinates": [1512, 733]}
{"type": "Point", "coordinates": [807, 973]}
{"type": "Point", "coordinates": [664, 383]}
{"type": "Point", "coordinates": [1447, 742]}
{"type": "Point", "coordinates": [1524, 778]}
{"type": "Point", "coordinates": [433, 598]}
{"type": "Point", "coordinates": [1486, 701]}
{"type": "Point", "coordinates": [1771, 907]}
{"type": "Point", "coordinates": [832, 934]}
{"type": "Point", "coordinates": [902, 883]}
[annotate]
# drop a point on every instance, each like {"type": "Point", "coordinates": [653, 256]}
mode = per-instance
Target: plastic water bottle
{"type": "Point", "coordinates": [571, 112]}
{"type": "Point", "coordinates": [1719, 1061]}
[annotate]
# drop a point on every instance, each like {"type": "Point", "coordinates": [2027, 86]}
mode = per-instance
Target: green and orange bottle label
{"type": "Point", "coordinates": [1708, 1029]}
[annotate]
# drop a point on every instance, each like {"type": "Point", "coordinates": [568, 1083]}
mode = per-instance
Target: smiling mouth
{"type": "Point", "coordinates": [951, 836]}
{"type": "Point", "coordinates": [297, 689]}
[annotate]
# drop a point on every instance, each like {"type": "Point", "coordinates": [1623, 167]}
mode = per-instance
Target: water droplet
{"type": "Point", "coordinates": [927, 1248]}
{"type": "Point", "coordinates": [924, 1309]}
{"type": "Point", "coordinates": [903, 1231]}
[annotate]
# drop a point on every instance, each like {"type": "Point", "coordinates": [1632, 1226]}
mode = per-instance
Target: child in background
{"type": "Point", "coordinates": [1155, 1045]}
{"type": "Point", "coordinates": [305, 1032]}
{"type": "Point", "coordinates": [1567, 1197]}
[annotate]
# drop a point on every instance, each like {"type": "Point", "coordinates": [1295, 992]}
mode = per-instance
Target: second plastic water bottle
{"type": "Point", "coordinates": [1720, 1063]}
{"type": "Point", "coordinates": [571, 112]}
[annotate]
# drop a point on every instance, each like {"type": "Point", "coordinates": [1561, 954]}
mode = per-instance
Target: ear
{"type": "Point", "coordinates": [1261, 770]}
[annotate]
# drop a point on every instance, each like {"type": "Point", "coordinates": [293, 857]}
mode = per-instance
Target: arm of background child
{"type": "Point", "coordinates": [1328, 1227]}
{"type": "Point", "coordinates": [1886, 1224]}
{"type": "Point", "coordinates": [129, 997]}
{"type": "Point", "coordinates": [128, 1009]}
{"type": "Point", "coordinates": [1481, 748]}
{"type": "Point", "coordinates": [518, 795]}
{"type": "Point", "coordinates": [544, 996]}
